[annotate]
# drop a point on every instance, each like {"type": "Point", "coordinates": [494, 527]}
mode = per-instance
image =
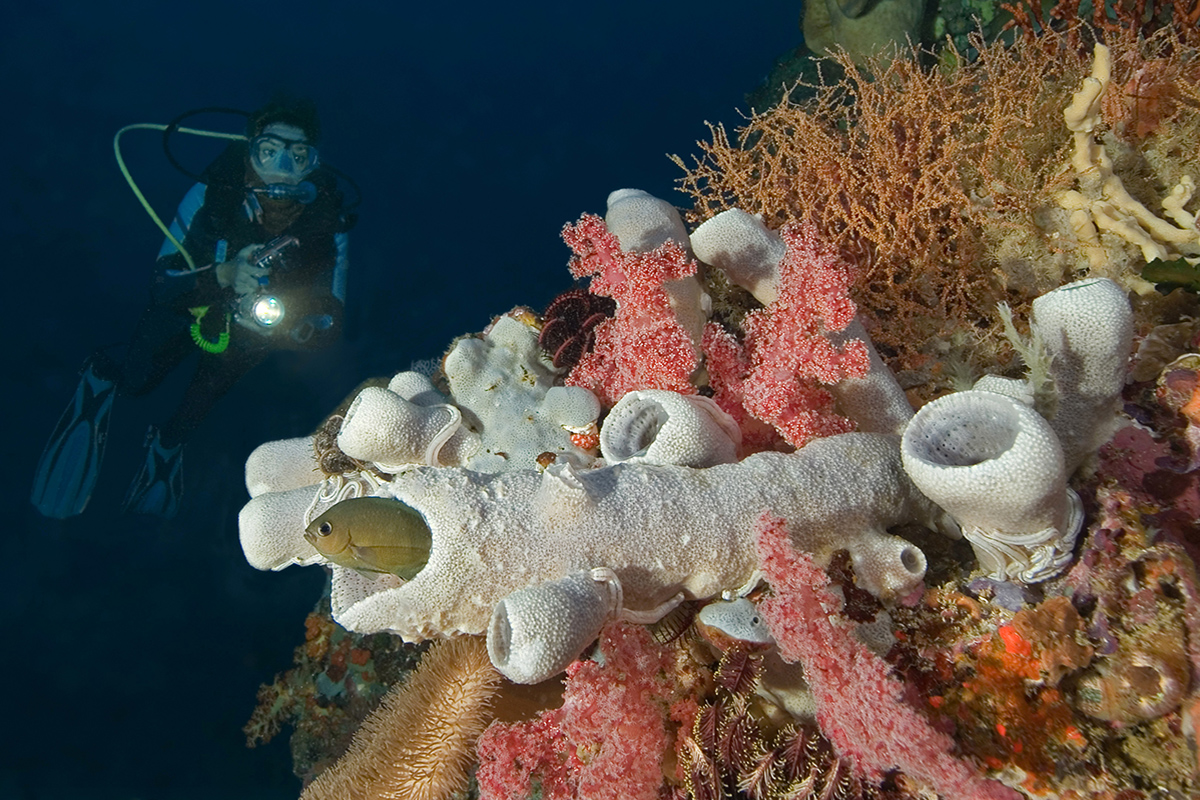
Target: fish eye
{"type": "Point", "coordinates": [324, 529]}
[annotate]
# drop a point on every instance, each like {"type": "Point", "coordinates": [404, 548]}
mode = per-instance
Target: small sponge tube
{"type": "Point", "coordinates": [534, 633]}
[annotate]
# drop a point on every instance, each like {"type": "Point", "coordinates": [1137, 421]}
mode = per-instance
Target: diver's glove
{"type": "Point", "coordinates": [241, 272]}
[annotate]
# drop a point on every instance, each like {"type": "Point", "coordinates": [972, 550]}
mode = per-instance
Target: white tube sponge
{"type": "Point", "coordinates": [875, 401]}
{"type": "Point", "coordinates": [995, 465]}
{"type": "Point", "coordinates": [416, 389]}
{"type": "Point", "coordinates": [1087, 328]}
{"type": "Point", "coordinates": [662, 427]}
{"type": "Point", "coordinates": [641, 222]}
{"type": "Point", "coordinates": [661, 529]}
{"type": "Point", "coordinates": [534, 633]}
{"type": "Point", "coordinates": [271, 529]}
{"type": "Point", "coordinates": [387, 430]}
{"type": "Point", "coordinates": [744, 249]}
{"type": "Point", "coordinates": [282, 465]}
{"type": "Point", "coordinates": [348, 587]}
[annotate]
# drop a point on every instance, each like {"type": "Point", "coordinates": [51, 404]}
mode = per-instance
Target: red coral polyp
{"type": "Point", "coordinates": [643, 346]}
{"type": "Point", "coordinates": [786, 357]}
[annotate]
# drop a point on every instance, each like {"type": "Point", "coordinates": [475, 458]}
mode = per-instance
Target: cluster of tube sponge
{"type": "Point", "coordinates": [537, 554]}
{"type": "Point", "coordinates": [998, 466]}
{"type": "Point", "coordinates": [538, 559]}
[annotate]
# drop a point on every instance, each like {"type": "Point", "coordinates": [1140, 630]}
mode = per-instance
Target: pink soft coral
{"type": "Point", "coordinates": [787, 356]}
{"type": "Point", "coordinates": [644, 346]}
{"type": "Point", "coordinates": [608, 738]}
{"type": "Point", "coordinates": [859, 705]}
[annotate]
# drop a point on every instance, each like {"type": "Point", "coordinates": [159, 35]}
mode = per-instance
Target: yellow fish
{"type": "Point", "coordinates": [374, 534]}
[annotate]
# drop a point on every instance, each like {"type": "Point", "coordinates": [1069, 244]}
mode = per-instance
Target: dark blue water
{"type": "Point", "coordinates": [133, 647]}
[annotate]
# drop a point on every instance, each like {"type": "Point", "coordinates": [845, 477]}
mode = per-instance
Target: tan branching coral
{"type": "Point", "coordinates": [420, 743]}
{"type": "Point", "coordinates": [902, 166]}
{"type": "Point", "coordinates": [1135, 19]}
{"type": "Point", "coordinates": [952, 187]}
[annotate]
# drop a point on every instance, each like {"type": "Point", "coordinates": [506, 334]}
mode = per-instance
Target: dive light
{"type": "Point", "coordinates": [261, 312]}
{"type": "Point", "coordinates": [267, 310]}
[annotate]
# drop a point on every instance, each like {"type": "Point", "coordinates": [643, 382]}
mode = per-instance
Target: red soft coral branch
{"type": "Point", "coordinates": [728, 365]}
{"type": "Point", "coordinates": [512, 757]}
{"type": "Point", "coordinates": [606, 741]}
{"type": "Point", "coordinates": [643, 346]}
{"type": "Point", "coordinates": [859, 705]}
{"type": "Point", "coordinates": [786, 356]}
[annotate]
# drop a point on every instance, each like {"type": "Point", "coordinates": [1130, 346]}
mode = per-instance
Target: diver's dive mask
{"type": "Point", "coordinates": [279, 159]}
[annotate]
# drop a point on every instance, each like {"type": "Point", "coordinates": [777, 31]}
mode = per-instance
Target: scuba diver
{"type": "Point", "coordinates": [254, 261]}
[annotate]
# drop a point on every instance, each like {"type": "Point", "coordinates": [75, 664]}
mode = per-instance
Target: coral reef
{"type": "Point", "coordinates": [687, 536]}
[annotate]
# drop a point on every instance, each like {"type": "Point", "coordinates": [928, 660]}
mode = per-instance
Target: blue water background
{"type": "Point", "coordinates": [134, 647]}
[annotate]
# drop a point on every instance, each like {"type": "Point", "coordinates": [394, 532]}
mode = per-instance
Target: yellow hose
{"type": "Point", "coordinates": [150, 126]}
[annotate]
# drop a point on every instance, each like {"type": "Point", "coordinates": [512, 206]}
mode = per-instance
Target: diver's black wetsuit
{"type": "Point", "coordinates": [304, 279]}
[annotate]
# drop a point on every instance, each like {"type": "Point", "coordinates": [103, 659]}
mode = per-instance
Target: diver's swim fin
{"type": "Point", "coordinates": [158, 486]}
{"type": "Point", "coordinates": [70, 464]}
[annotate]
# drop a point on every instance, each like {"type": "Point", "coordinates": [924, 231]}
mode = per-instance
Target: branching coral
{"type": "Point", "coordinates": [1102, 203]}
{"type": "Point", "coordinates": [859, 705]}
{"type": "Point", "coordinates": [607, 740]}
{"type": "Point", "coordinates": [900, 167]}
{"type": "Point", "coordinates": [644, 346]}
{"type": "Point", "coordinates": [940, 184]}
{"type": "Point", "coordinates": [787, 357]}
{"type": "Point", "coordinates": [1128, 18]}
{"type": "Point", "coordinates": [803, 284]}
